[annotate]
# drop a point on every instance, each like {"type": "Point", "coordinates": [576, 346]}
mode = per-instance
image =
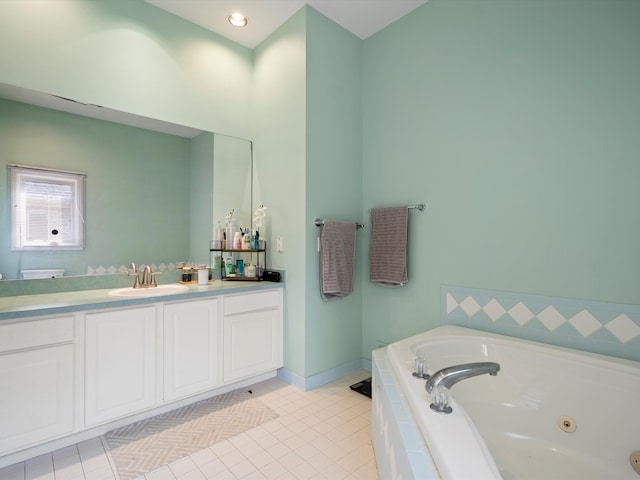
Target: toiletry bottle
{"type": "Point", "coordinates": [217, 236]}
{"type": "Point", "coordinates": [250, 270]}
{"type": "Point", "coordinates": [246, 241]}
{"type": "Point", "coordinates": [254, 239]}
{"type": "Point", "coordinates": [229, 266]}
{"type": "Point", "coordinates": [229, 233]}
{"type": "Point", "coordinates": [237, 241]}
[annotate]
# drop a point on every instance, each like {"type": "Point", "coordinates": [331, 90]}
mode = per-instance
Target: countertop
{"type": "Point", "coordinates": [64, 302]}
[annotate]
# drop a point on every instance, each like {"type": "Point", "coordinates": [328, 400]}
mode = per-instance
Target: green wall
{"type": "Point", "coordinates": [333, 185]}
{"type": "Point", "coordinates": [279, 138]}
{"type": "Point", "coordinates": [134, 191]}
{"type": "Point", "coordinates": [517, 123]}
{"type": "Point", "coordinates": [308, 152]}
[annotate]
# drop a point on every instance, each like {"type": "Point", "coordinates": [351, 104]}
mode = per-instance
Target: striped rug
{"type": "Point", "coordinates": [149, 444]}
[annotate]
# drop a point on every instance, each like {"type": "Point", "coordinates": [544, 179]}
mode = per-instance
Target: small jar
{"type": "Point", "coordinates": [203, 275]}
{"type": "Point", "coordinates": [186, 274]}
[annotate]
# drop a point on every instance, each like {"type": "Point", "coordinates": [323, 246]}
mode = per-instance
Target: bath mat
{"type": "Point", "coordinates": [363, 387]}
{"type": "Point", "coordinates": [149, 444]}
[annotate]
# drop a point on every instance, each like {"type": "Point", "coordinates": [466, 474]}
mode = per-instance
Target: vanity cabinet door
{"type": "Point", "coordinates": [252, 329]}
{"type": "Point", "coordinates": [190, 348]}
{"type": "Point", "coordinates": [36, 396]}
{"type": "Point", "coordinates": [119, 363]}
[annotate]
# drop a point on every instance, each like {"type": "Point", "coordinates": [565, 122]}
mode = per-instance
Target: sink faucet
{"type": "Point", "coordinates": [148, 277]}
{"type": "Point", "coordinates": [448, 377]}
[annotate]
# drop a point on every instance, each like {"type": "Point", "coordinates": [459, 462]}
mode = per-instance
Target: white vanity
{"type": "Point", "coordinates": [78, 369]}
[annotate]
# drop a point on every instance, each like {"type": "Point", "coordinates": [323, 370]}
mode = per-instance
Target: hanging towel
{"type": "Point", "coordinates": [388, 251]}
{"type": "Point", "coordinates": [337, 259]}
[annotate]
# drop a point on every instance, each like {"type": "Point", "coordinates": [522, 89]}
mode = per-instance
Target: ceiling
{"type": "Point", "coordinates": [363, 18]}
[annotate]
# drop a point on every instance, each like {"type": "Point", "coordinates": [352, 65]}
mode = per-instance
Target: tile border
{"type": "Point", "coordinates": [597, 327]}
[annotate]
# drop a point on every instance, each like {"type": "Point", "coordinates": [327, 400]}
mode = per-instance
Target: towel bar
{"type": "Point", "coordinates": [420, 206]}
{"type": "Point", "coordinates": [319, 222]}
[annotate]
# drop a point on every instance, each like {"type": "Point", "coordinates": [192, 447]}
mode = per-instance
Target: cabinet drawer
{"type": "Point", "coordinates": [251, 301]}
{"type": "Point", "coordinates": [35, 333]}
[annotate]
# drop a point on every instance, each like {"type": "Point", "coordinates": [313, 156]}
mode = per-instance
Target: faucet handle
{"type": "Point", "coordinates": [153, 278]}
{"type": "Point", "coordinates": [134, 273]}
{"type": "Point", "coordinates": [441, 398]}
{"type": "Point", "coordinates": [420, 368]}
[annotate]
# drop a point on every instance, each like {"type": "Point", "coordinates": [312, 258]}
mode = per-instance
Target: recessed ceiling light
{"type": "Point", "coordinates": [237, 19]}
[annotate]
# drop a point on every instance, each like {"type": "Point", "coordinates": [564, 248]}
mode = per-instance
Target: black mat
{"type": "Point", "coordinates": [363, 387]}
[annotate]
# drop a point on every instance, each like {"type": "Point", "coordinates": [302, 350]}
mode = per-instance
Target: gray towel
{"type": "Point", "coordinates": [337, 259]}
{"type": "Point", "coordinates": [388, 252]}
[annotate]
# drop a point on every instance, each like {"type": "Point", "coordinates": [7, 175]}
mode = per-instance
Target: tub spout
{"type": "Point", "coordinates": [448, 377]}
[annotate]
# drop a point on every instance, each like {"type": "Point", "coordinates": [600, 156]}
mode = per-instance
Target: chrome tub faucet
{"type": "Point", "coordinates": [448, 377]}
{"type": "Point", "coordinates": [439, 383]}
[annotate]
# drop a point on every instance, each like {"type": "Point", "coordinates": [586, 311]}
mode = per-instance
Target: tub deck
{"type": "Point", "coordinates": [509, 426]}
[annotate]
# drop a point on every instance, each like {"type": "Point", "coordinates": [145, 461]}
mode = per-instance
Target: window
{"type": "Point", "coordinates": [47, 209]}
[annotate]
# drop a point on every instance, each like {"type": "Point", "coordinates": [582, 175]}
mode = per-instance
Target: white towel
{"type": "Point", "coordinates": [388, 251]}
{"type": "Point", "coordinates": [337, 259]}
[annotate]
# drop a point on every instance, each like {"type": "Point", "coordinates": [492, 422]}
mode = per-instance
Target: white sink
{"type": "Point", "coordinates": [167, 289]}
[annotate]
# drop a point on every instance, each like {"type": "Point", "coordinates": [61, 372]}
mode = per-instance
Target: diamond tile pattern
{"type": "Point", "coordinates": [551, 318]}
{"type": "Point", "coordinates": [609, 328]}
{"type": "Point", "coordinates": [521, 314]}
{"type": "Point", "coordinates": [623, 328]}
{"type": "Point", "coordinates": [494, 310]}
{"type": "Point", "coordinates": [470, 306]}
{"type": "Point", "coordinates": [585, 323]}
{"type": "Point", "coordinates": [111, 269]}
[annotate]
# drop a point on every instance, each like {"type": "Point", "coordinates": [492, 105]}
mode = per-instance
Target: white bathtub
{"type": "Point", "coordinates": [511, 426]}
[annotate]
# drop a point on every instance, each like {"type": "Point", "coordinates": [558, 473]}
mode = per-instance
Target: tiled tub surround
{"type": "Point", "coordinates": [518, 424]}
{"type": "Point", "coordinates": [89, 362]}
{"type": "Point", "coordinates": [591, 326]}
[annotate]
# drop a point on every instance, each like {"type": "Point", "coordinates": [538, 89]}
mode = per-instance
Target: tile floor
{"type": "Point", "coordinates": [322, 434]}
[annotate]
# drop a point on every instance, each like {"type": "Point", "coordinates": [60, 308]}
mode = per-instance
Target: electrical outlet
{"type": "Point", "coordinates": [280, 244]}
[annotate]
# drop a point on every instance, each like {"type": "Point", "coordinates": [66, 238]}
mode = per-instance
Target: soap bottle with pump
{"type": "Point", "coordinates": [246, 240]}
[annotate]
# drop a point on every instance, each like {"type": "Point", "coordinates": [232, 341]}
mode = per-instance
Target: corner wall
{"type": "Point", "coordinates": [517, 123]}
{"type": "Point", "coordinates": [333, 185]}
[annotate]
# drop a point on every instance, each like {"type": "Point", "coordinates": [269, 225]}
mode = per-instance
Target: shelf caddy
{"type": "Point", "coordinates": [251, 253]}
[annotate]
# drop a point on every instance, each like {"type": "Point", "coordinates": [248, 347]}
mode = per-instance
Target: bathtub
{"type": "Point", "coordinates": [550, 413]}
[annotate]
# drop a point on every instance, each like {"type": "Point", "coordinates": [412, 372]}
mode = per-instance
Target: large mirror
{"type": "Point", "coordinates": [154, 191]}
